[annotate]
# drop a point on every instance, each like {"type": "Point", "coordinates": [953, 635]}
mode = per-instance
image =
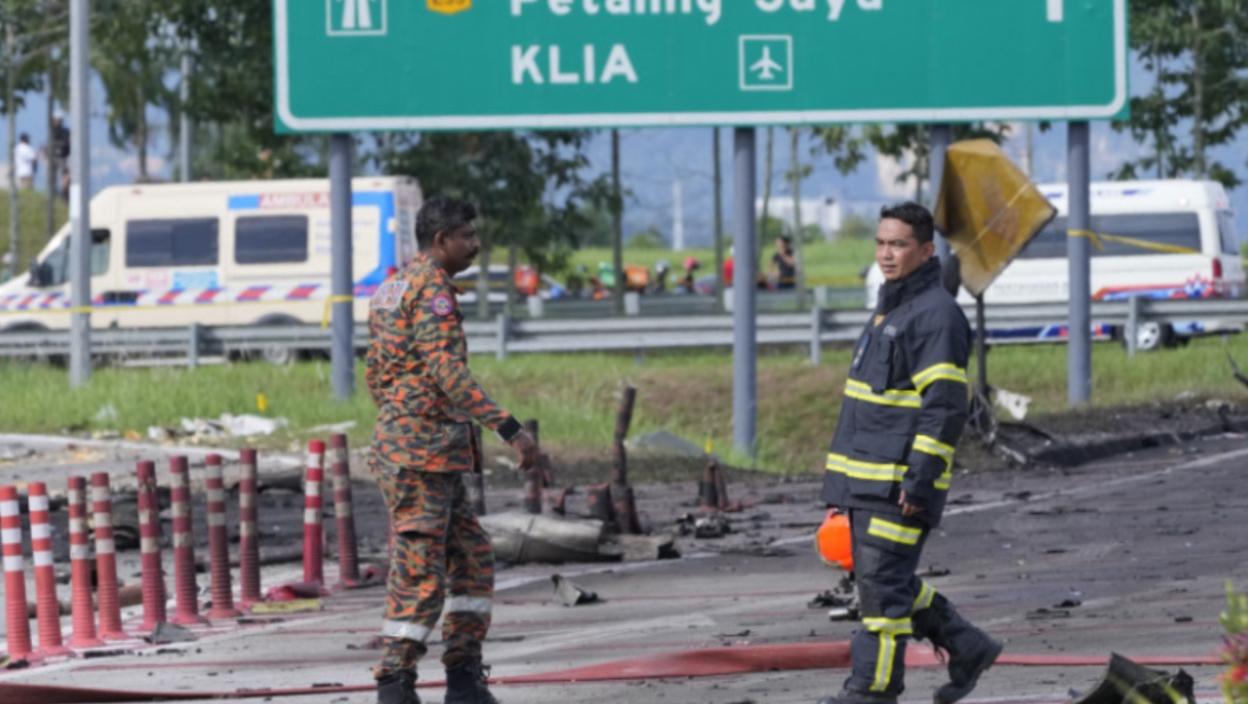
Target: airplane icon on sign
{"type": "Point", "coordinates": [766, 67]}
{"type": "Point", "coordinates": [765, 62]}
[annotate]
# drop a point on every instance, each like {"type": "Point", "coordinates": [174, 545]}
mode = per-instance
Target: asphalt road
{"type": "Point", "coordinates": [1128, 555]}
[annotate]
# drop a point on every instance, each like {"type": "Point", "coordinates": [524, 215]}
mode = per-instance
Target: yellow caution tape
{"type": "Point", "coordinates": [329, 302]}
{"type": "Point", "coordinates": [286, 607]}
{"type": "Point", "coordinates": [1098, 240]}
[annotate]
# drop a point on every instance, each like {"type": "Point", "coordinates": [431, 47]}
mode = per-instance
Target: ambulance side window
{"type": "Point", "coordinates": [272, 239]}
{"type": "Point", "coordinates": [100, 246]}
{"type": "Point", "coordinates": [164, 243]}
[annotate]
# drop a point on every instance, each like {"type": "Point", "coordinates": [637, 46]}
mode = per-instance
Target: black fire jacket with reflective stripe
{"type": "Point", "coordinates": [905, 401]}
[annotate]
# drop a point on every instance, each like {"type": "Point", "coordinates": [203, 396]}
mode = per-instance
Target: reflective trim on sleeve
{"type": "Point", "coordinates": [944, 370]}
{"type": "Point", "coordinates": [895, 532]}
{"type": "Point", "coordinates": [931, 446]}
{"type": "Point", "coordinates": [942, 482]}
{"type": "Point", "coordinates": [902, 398]}
{"type": "Point", "coordinates": [405, 630]}
{"type": "Point", "coordinates": [924, 599]}
{"type": "Point", "coordinates": [870, 471]}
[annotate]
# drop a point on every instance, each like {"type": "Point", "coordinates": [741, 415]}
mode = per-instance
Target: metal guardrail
{"type": "Point", "coordinates": [503, 337]}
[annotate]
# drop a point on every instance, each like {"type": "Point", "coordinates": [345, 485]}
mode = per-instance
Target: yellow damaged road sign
{"type": "Point", "coordinates": [449, 7]}
{"type": "Point", "coordinates": [988, 210]}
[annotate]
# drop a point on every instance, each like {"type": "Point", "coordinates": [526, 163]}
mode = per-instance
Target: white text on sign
{"type": "Point", "coordinates": [710, 10]}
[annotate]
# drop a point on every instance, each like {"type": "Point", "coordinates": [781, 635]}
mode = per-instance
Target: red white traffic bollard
{"type": "Point", "coordinates": [149, 547]}
{"type": "Point", "coordinates": [313, 556]}
{"type": "Point", "coordinates": [348, 559]}
{"type": "Point", "coordinates": [106, 559]}
{"type": "Point", "coordinates": [47, 607]}
{"type": "Point", "coordinates": [218, 541]}
{"type": "Point", "coordinates": [15, 618]}
{"type": "Point", "coordinates": [248, 544]}
{"type": "Point", "coordinates": [185, 589]}
{"type": "Point", "coordinates": [81, 564]}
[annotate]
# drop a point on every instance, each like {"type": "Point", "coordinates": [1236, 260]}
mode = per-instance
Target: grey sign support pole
{"type": "Point", "coordinates": [342, 353]}
{"type": "Point", "coordinates": [744, 350]}
{"type": "Point", "coordinates": [79, 197]}
{"type": "Point", "coordinates": [184, 121]}
{"type": "Point", "coordinates": [938, 141]}
{"type": "Point", "coordinates": [1079, 349]}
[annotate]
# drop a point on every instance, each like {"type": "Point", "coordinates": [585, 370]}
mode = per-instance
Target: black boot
{"type": "Point", "coordinates": [971, 651]}
{"type": "Point", "coordinates": [466, 684]}
{"type": "Point", "coordinates": [397, 688]}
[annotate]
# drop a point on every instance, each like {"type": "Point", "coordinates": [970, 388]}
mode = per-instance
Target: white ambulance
{"type": "Point", "coordinates": [217, 253]}
{"type": "Point", "coordinates": [1171, 239]}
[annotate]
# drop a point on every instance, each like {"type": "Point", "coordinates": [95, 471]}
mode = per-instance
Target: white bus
{"type": "Point", "coordinates": [1155, 239]}
{"type": "Point", "coordinates": [217, 253]}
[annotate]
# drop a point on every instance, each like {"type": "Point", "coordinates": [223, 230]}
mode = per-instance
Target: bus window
{"type": "Point", "coordinates": [56, 264]}
{"type": "Point", "coordinates": [189, 242]}
{"type": "Point", "coordinates": [1226, 232]}
{"type": "Point", "coordinates": [274, 239]}
{"type": "Point", "coordinates": [1168, 229]}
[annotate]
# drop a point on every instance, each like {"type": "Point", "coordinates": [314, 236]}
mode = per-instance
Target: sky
{"type": "Point", "coordinates": [653, 159]}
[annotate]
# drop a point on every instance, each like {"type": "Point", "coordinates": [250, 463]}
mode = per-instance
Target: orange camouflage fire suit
{"type": "Point", "coordinates": [417, 373]}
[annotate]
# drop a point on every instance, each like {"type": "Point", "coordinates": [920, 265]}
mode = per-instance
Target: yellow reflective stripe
{"type": "Point", "coordinates": [884, 663]}
{"type": "Point", "coordinates": [895, 626]}
{"type": "Point", "coordinates": [903, 398]}
{"type": "Point", "coordinates": [924, 599]}
{"type": "Point", "coordinates": [870, 471]}
{"type": "Point", "coordinates": [932, 446]}
{"type": "Point", "coordinates": [944, 370]}
{"type": "Point", "coordinates": [942, 482]}
{"type": "Point", "coordinates": [895, 532]}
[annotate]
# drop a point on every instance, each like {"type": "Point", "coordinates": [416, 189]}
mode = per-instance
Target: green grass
{"type": "Point", "coordinates": [827, 263]}
{"type": "Point", "coordinates": [575, 396]}
{"type": "Point", "coordinates": [32, 225]}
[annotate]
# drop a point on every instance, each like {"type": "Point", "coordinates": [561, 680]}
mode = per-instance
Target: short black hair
{"type": "Point", "coordinates": [916, 216]}
{"type": "Point", "coordinates": [24, 138]}
{"type": "Point", "coordinates": [442, 214]}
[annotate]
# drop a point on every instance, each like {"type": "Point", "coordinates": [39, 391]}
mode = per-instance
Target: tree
{"type": "Point", "coordinates": [132, 51]}
{"type": "Point", "coordinates": [531, 188]}
{"type": "Point", "coordinates": [848, 147]}
{"type": "Point", "coordinates": [231, 90]}
{"type": "Point", "coordinates": [31, 30]}
{"type": "Point", "coordinates": [1197, 53]}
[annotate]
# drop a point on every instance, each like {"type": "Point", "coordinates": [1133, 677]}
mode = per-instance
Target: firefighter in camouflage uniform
{"type": "Point", "coordinates": [891, 462]}
{"type": "Point", "coordinates": [423, 443]}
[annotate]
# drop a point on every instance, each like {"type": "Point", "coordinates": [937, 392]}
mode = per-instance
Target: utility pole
{"type": "Point", "coordinates": [744, 325]}
{"type": "Point", "coordinates": [1078, 197]}
{"type": "Point", "coordinates": [799, 263]}
{"type": "Point", "coordinates": [9, 90]}
{"type": "Point", "coordinates": [54, 159]}
{"type": "Point", "coordinates": [79, 196]}
{"type": "Point", "coordinates": [939, 138]}
{"type": "Point", "coordinates": [184, 120]}
{"type": "Point", "coordinates": [617, 227]}
{"type": "Point", "coordinates": [678, 217]}
{"type": "Point", "coordinates": [342, 350]}
{"type": "Point", "coordinates": [719, 221]}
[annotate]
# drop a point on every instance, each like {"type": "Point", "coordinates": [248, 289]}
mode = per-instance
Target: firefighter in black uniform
{"type": "Point", "coordinates": [891, 461]}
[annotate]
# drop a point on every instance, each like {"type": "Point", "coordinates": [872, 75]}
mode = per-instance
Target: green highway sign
{"type": "Point", "coordinates": [344, 65]}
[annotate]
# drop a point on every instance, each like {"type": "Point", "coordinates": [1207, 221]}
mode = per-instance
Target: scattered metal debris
{"type": "Point", "coordinates": [570, 594]}
{"type": "Point", "coordinates": [1126, 681]}
{"type": "Point", "coordinates": [522, 537]}
{"type": "Point", "coordinates": [165, 633]}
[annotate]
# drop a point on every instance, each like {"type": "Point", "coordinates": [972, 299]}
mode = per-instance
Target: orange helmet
{"type": "Point", "coordinates": [833, 543]}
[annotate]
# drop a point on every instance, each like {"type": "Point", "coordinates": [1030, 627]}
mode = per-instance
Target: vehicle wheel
{"type": "Point", "coordinates": [1151, 335]}
{"type": "Point", "coordinates": [277, 354]}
